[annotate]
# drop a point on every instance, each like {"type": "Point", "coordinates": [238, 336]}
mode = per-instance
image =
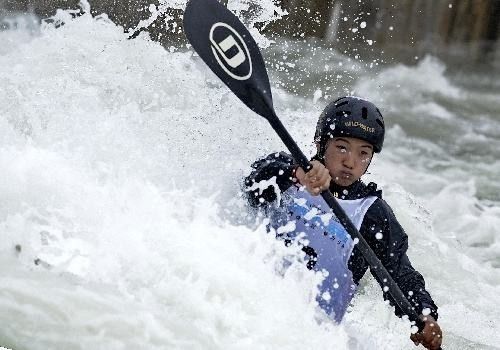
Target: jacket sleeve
{"type": "Point", "coordinates": [270, 174]}
{"type": "Point", "coordinates": [390, 243]}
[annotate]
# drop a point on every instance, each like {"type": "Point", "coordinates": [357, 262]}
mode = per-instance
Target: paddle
{"type": "Point", "coordinates": [227, 47]}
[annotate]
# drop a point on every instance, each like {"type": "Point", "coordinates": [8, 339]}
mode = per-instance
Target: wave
{"type": "Point", "coordinates": [120, 162]}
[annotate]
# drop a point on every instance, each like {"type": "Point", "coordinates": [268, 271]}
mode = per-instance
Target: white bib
{"type": "Point", "coordinates": [330, 246]}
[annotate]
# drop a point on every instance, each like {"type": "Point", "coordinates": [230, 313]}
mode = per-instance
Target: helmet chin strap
{"type": "Point", "coordinates": [369, 163]}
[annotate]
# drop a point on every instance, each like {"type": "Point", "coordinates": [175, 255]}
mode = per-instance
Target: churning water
{"type": "Point", "coordinates": [120, 201]}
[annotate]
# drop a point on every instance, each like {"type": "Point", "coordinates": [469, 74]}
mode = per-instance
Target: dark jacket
{"type": "Point", "coordinates": [390, 249]}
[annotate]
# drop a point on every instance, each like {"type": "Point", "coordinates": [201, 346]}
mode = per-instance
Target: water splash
{"type": "Point", "coordinates": [115, 174]}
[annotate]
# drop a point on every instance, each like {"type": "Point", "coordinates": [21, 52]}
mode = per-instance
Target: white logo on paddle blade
{"type": "Point", "coordinates": [230, 51]}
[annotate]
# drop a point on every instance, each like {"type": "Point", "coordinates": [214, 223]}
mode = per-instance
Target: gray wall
{"type": "Point", "coordinates": [467, 32]}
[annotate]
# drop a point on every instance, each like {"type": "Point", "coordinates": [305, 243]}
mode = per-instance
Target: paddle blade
{"type": "Point", "coordinates": [227, 47]}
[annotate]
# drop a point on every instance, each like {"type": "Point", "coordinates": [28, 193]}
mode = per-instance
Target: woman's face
{"type": "Point", "coordinates": [347, 159]}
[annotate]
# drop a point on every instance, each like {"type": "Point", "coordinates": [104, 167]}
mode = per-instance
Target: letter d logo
{"type": "Point", "coordinates": [230, 51]}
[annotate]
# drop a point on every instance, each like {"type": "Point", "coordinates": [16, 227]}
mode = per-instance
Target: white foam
{"type": "Point", "coordinates": [117, 158]}
{"type": "Point", "coordinates": [112, 151]}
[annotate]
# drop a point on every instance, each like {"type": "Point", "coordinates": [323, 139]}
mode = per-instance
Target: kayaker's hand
{"type": "Point", "coordinates": [315, 180]}
{"type": "Point", "coordinates": [431, 336]}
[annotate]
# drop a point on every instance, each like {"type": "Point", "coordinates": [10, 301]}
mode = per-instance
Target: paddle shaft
{"type": "Point", "coordinates": [375, 264]}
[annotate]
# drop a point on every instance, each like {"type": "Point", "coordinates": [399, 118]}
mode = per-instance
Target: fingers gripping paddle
{"type": "Point", "coordinates": [227, 47]}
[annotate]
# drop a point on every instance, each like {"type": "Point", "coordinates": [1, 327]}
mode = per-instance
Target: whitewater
{"type": "Point", "coordinates": [123, 223]}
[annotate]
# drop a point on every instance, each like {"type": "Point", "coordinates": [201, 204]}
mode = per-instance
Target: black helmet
{"type": "Point", "coordinates": [351, 117]}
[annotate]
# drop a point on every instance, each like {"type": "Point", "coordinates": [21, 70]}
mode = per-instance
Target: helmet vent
{"type": "Point", "coordinates": [341, 103]}
{"type": "Point", "coordinates": [364, 113]}
{"type": "Point", "coordinates": [342, 113]}
{"type": "Point", "coordinates": [381, 123]}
